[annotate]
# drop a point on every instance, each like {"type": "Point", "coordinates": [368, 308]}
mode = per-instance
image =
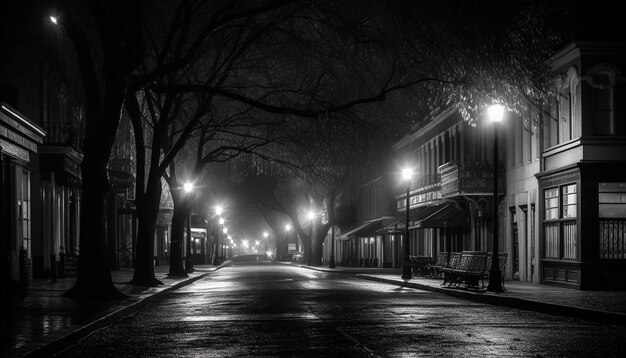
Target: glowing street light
{"type": "Point", "coordinates": [495, 113]}
{"type": "Point", "coordinates": [407, 174]}
{"type": "Point", "coordinates": [54, 20]}
{"type": "Point", "coordinates": [188, 188]}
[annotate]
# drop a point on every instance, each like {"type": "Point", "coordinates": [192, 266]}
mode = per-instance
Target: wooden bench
{"type": "Point", "coordinates": [452, 264]}
{"type": "Point", "coordinates": [419, 264]}
{"type": "Point", "coordinates": [434, 269]}
{"type": "Point", "coordinates": [470, 270]}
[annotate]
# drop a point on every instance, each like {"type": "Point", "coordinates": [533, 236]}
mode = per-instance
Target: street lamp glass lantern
{"type": "Point", "coordinates": [288, 227]}
{"type": "Point", "coordinates": [310, 215]}
{"type": "Point", "coordinates": [265, 235]}
{"type": "Point", "coordinates": [495, 112]}
{"type": "Point", "coordinates": [221, 221]}
{"type": "Point", "coordinates": [54, 20]}
{"type": "Point", "coordinates": [407, 173]}
{"type": "Point", "coordinates": [225, 230]}
{"type": "Point", "coordinates": [188, 187]}
{"type": "Point", "coordinates": [218, 210]}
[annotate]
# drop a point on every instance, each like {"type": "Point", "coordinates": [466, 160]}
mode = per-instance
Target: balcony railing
{"type": "Point", "coordinates": [613, 239]}
{"type": "Point", "coordinates": [468, 178]}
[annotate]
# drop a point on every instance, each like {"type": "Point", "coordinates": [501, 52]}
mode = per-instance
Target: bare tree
{"type": "Point", "coordinates": [302, 58]}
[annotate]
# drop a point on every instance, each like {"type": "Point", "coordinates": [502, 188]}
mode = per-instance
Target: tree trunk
{"type": "Point", "coordinates": [147, 213]}
{"type": "Point", "coordinates": [94, 275]}
{"type": "Point", "coordinates": [176, 243]}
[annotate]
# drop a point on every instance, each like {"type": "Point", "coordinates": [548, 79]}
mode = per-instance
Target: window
{"type": "Point", "coordinates": [569, 201]}
{"type": "Point", "coordinates": [612, 220]}
{"type": "Point", "coordinates": [560, 227]}
{"type": "Point", "coordinates": [552, 204]}
{"type": "Point", "coordinates": [612, 200]}
{"type": "Point", "coordinates": [602, 80]}
{"type": "Point", "coordinates": [24, 210]}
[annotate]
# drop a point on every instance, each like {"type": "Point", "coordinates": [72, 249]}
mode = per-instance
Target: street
{"type": "Point", "coordinates": [261, 309]}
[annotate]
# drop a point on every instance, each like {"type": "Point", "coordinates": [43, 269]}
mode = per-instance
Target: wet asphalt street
{"type": "Point", "coordinates": [280, 310]}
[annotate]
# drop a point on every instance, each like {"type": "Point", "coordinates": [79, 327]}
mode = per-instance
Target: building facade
{"type": "Point", "coordinates": [43, 122]}
{"type": "Point", "coordinates": [582, 179]}
{"type": "Point", "coordinates": [561, 188]}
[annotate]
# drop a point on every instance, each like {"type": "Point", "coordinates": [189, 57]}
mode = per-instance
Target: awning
{"type": "Point", "coordinates": [364, 229]}
{"type": "Point", "coordinates": [441, 215]}
{"type": "Point", "coordinates": [448, 215]}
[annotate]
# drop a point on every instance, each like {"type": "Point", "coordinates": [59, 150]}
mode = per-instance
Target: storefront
{"type": "Point", "coordinates": [19, 138]}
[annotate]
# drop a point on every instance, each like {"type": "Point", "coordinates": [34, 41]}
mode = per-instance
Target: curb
{"type": "Point", "coordinates": [64, 342]}
{"type": "Point", "coordinates": [515, 302]}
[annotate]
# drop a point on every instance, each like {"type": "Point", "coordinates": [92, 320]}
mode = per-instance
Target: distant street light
{"type": "Point", "coordinates": [54, 20]}
{"type": "Point", "coordinates": [188, 188]}
{"type": "Point", "coordinates": [287, 230]}
{"type": "Point", "coordinates": [495, 113]}
{"type": "Point", "coordinates": [310, 216]}
{"type": "Point", "coordinates": [265, 235]}
{"type": "Point", "coordinates": [407, 174]}
{"type": "Point", "coordinates": [218, 211]}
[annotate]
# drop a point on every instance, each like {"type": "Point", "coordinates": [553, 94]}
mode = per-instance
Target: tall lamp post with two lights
{"type": "Point", "coordinates": [188, 187]}
{"type": "Point", "coordinates": [407, 174]}
{"type": "Point", "coordinates": [495, 113]}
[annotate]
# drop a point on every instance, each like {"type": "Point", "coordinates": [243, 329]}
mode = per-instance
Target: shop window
{"type": "Point", "coordinates": [612, 220]}
{"type": "Point", "coordinates": [560, 228]}
{"type": "Point", "coordinates": [602, 80]}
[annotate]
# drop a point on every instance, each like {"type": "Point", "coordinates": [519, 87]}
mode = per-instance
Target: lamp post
{"type": "Point", "coordinates": [225, 231]}
{"type": "Point", "coordinates": [407, 173]}
{"type": "Point", "coordinates": [188, 187]}
{"type": "Point", "coordinates": [310, 216]}
{"type": "Point", "coordinates": [495, 113]}
{"type": "Point", "coordinates": [216, 259]}
{"type": "Point", "coordinates": [332, 247]}
{"type": "Point", "coordinates": [287, 230]}
{"type": "Point", "coordinates": [265, 235]}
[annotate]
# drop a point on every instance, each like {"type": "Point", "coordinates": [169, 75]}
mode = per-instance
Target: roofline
{"type": "Point", "coordinates": [436, 120]}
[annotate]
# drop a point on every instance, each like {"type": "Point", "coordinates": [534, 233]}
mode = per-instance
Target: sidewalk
{"type": "Point", "coordinates": [598, 306]}
{"type": "Point", "coordinates": [44, 322]}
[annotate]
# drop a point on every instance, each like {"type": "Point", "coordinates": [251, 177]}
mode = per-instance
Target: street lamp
{"type": "Point", "coordinates": [265, 235]}
{"type": "Point", "coordinates": [407, 174]}
{"type": "Point", "coordinates": [332, 247]}
{"type": "Point", "coordinates": [188, 188]}
{"type": "Point", "coordinates": [495, 113]}
{"type": "Point", "coordinates": [218, 212]}
{"type": "Point", "coordinates": [310, 216]}
{"type": "Point", "coordinates": [287, 230]}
